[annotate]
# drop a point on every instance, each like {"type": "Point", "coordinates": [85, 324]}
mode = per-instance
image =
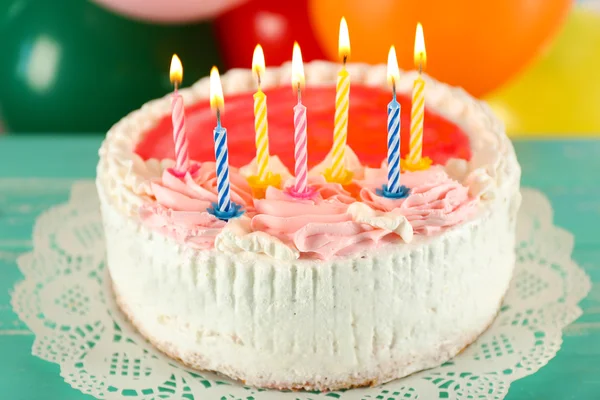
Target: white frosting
{"type": "Point", "coordinates": [282, 321]}
{"type": "Point", "coordinates": [457, 168]}
{"type": "Point", "coordinates": [390, 221]}
{"type": "Point", "coordinates": [238, 237]}
{"type": "Point", "coordinates": [480, 184]}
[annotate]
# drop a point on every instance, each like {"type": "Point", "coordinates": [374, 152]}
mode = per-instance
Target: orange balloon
{"type": "Point", "coordinates": [478, 45]}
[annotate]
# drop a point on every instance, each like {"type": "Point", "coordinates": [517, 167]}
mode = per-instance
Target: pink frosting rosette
{"type": "Point", "coordinates": [330, 191]}
{"type": "Point", "coordinates": [181, 204]}
{"type": "Point", "coordinates": [435, 201]}
{"type": "Point", "coordinates": [333, 221]}
{"type": "Point", "coordinates": [320, 227]}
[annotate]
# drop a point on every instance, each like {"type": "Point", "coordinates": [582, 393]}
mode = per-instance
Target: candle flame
{"type": "Point", "coordinates": [344, 40]}
{"type": "Point", "coordinates": [216, 91]}
{"type": "Point", "coordinates": [393, 73]}
{"type": "Point", "coordinates": [258, 60]}
{"type": "Point", "coordinates": [297, 68]}
{"type": "Point", "coordinates": [176, 73]}
{"type": "Point", "coordinates": [420, 53]}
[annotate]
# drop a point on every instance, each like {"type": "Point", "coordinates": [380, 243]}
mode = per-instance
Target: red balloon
{"type": "Point", "coordinates": [275, 24]}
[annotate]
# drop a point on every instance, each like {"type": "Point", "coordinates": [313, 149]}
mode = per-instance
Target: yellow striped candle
{"type": "Point", "coordinates": [337, 172]}
{"type": "Point", "coordinates": [262, 137]}
{"type": "Point", "coordinates": [261, 127]}
{"type": "Point", "coordinates": [340, 132]}
{"type": "Point", "coordinates": [415, 160]}
{"type": "Point", "coordinates": [263, 178]}
{"type": "Point", "coordinates": [417, 113]}
{"type": "Point", "coordinates": [342, 103]}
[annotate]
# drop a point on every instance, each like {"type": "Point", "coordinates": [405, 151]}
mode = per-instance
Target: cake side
{"type": "Point", "coordinates": [314, 325]}
{"type": "Point", "coordinates": [368, 318]}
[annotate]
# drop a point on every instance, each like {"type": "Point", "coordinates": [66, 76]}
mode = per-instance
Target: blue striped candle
{"type": "Point", "coordinates": [222, 159]}
{"type": "Point", "coordinates": [393, 127]}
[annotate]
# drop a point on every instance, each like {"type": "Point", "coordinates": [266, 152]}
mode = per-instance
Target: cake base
{"type": "Point", "coordinates": [399, 370]}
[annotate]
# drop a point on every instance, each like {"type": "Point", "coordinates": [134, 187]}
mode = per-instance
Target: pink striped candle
{"type": "Point", "coordinates": [301, 153]}
{"type": "Point", "coordinates": [182, 158]}
{"type": "Point", "coordinates": [300, 137]}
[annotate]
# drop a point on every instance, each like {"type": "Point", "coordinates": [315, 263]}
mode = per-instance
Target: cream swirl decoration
{"type": "Point", "coordinates": [333, 223]}
{"type": "Point", "coordinates": [435, 201]}
{"type": "Point", "coordinates": [237, 237]}
{"type": "Point", "coordinates": [317, 228]}
{"type": "Point", "coordinates": [180, 209]}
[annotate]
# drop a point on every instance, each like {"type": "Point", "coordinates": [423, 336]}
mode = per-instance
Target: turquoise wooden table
{"type": "Point", "coordinates": [36, 172]}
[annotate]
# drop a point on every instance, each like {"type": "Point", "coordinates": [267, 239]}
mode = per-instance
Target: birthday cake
{"type": "Point", "coordinates": [318, 284]}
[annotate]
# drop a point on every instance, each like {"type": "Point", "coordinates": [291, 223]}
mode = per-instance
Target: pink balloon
{"type": "Point", "coordinates": [172, 11]}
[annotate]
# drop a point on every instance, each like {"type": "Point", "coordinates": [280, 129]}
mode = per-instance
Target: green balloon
{"type": "Point", "coordinates": [74, 67]}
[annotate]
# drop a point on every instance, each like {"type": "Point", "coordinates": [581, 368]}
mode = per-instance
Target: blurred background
{"type": "Point", "coordinates": [80, 65]}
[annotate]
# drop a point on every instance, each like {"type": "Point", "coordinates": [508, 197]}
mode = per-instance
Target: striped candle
{"type": "Point", "coordinates": [262, 136]}
{"type": "Point", "coordinates": [260, 118]}
{"type": "Point", "coordinates": [222, 160]}
{"type": "Point", "coordinates": [217, 103]}
{"type": "Point", "coordinates": [342, 102]}
{"type": "Point", "coordinates": [393, 127]}
{"type": "Point", "coordinates": [301, 154]}
{"type": "Point", "coordinates": [340, 132]}
{"type": "Point", "coordinates": [300, 137]}
{"type": "Point", "coordinates": [417, 114]}
{"type": "Point", "coordinates": [182, 158]}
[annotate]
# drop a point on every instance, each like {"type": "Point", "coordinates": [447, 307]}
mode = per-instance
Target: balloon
{"type": "Point", "coordinates": [80, 68]}
{"type": "Point", "coordinates": [561, 92]}
{"type": "Point", "coordinates": [474, 44]}
{"type": "Point", "coordinates": [275, 24]}
{"type": "Point", "coordinates": [162, 11]}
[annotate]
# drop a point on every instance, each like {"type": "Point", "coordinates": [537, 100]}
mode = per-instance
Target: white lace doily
{"type": "Point", "coordinates": [67, 302]}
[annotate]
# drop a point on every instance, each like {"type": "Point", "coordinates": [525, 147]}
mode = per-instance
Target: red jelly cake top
{"type": "Point", "coordinates": [367, 134]}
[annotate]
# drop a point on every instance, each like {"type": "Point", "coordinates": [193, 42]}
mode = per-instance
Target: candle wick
{"type": "Point", "coordinates": [299, 94]}
{"type": "Point", "coordinates": [345, 59]}
{"type": "Point", "coordinates": [259, 80]}
{"type": "Point", "coordinates": [218, 118]}
{"type": "Point", "coordinates": [394, 88]}
{"type": "Point", "coordinates": [176, 85]}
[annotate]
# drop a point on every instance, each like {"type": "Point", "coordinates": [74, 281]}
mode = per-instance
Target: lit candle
{"type": "Point", "coordinates": [300, 136]}
{"type": "Point", "coordinates": [220, 137]}
{"type": "Point", "coordinates": [415, 159]}
{"type": "Point", "coordinates": [338, 172]}
{"type": "Point", "coordinates": [393, 125]}
{"type": "Point", "coordinates": [182, 158]}
{"type": "Point", "coordinates": [260, 117]}
{"type": "Point", "coordinates": [393, 189]}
